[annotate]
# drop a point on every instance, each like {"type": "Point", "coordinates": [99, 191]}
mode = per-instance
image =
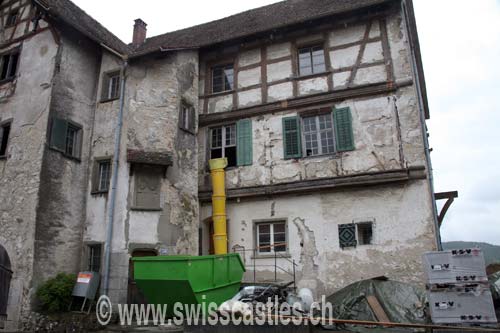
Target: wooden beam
{"type": "Point", "coordinates": [450, 196]}
{"type": "Point", "coordinates": [306, 101]}
{"type": "Point", "coordinates": [377, 308]}
{"type": "Point", "coordinates": [315, 185]}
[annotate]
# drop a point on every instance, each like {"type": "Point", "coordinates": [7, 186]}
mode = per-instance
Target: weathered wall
{"type": "Point", "coordinates": [387, 134]}
{"type": "Point", "coordinates": [402, 231]}
{"type": "Point", "coordinates": [356, 54]}
{"type": "Point", "coordinates": [383, 125]}
{"type": "Point", "coordinates": [61, 209]}
{"type": "Point", "coordinates": [26, 101]}
{"type": "Point", "coordinates": [367, 52]}
{"type": "Point", "coordinates": [154, 90]}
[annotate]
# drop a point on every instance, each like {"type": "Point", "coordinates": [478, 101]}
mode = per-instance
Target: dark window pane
{"type": "Point", "coordinates": [5, 66]}
{"type": "Point", "coordinates": [70, 140]}
{"type": "Point", "coordinates": [13, 64]}
{"type": "Point", "coordinates": [365, 233]}
{"type": "Point", "coordinates": [230, 153]}
{"type": "Point", "coordinates": [5, 131]}
{"type": "Point", "coordinates": [229, 78]}
{"type": "Point", "coordinates": [216, 153]}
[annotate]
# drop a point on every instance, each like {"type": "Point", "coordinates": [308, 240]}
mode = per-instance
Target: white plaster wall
{"type": "Point", "coordinates": [403, 231]}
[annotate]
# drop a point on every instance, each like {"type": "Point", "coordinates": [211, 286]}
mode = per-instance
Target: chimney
{"type": "Point", "coordinates": [139, 32]}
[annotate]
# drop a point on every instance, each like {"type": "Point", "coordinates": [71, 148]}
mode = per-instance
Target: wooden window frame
{"type": "Point", "coordinates": [107, 81]}
{"type": "Point", "coordinates": [90, 263]}
{"type": "Point", "coordinates": [76, 154]}
{"type": "Point", "coordinates": [13, 13]}
{"type": "Point", "coordinates": [11, 53]}
{"type": "Point", "coordinates": [356, 225]}
{"type": "Point", "coordinates": [271, 222]}
{"type": "Point", "coordinates": [318, 134]}
{"type": "Point", "coordinates": [212, 78]}
{"type": "Point", "coordinates": [187, 117]}
{"type": "Point", "coordinates": [223, 143]}
{"type": "Point", "coordinates": [311, 46]}
{"type": "Point", "coordinates": [96, 174]}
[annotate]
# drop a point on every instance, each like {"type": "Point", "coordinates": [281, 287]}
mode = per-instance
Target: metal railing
{"type": "Point", "coordinates": [269, 255]}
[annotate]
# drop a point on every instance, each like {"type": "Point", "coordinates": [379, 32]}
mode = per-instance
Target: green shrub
{"type": "Point", "coordinates": [55, 294]}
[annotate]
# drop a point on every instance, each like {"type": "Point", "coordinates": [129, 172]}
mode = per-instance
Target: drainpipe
{"type": "Point", "coordinates": [114, 180]}
{"type": "Point", "coordinates": [219, 204]}
{"type": "Point", "coordinates": [424, 126]}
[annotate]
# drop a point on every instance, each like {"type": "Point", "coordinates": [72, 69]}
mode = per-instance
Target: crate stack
{"type": "Point", "coordinates": [457, 287]}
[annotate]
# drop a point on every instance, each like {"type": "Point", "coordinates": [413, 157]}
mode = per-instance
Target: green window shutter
{"type": "Point", "coordinates": [58, 134]}
{"type": "Point", "coordinates": [343, 129]}
{"type": "Point", "coordinates": [291, 137]}
{"type": "Point", "coordinates": [244, 145]}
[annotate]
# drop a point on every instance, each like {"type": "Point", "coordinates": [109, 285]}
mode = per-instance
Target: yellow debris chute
{"type": "Point", "coordinates": [219, 204]}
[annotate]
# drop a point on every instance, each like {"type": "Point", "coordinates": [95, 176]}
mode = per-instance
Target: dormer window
{"type": "Point", "coordinates": [12, 18]}
{"type": "Point", "coordinates": [222, 78]}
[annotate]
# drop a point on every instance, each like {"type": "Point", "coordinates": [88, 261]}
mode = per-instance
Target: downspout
{"type": "Point", "coordinates": [423, 123]}
{"type": "Point", "coordinates": [114, 178]}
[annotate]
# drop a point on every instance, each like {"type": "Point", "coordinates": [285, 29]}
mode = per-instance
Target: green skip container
{"type": "Point", "coordinates": [190, 280]}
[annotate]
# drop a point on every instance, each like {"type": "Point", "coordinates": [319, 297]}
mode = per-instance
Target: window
{"type": "Point", "coordinates": [223, 143]}
{"type": "Point", "coordinates": [147, 187]}
{"type": "Point", "coordinates": [187, 118]}
{"type": "Point", "coordinates": [325, 133]}
{"type": "Point", "coordinates": [72, 140]}
{"type": "Point", "coordinates": [353, 234]}
{"type": "Point", "coordinates": [233, 142]}
{"type": "Point", "coordinates": [271, 237]}
{"type": "Point", "coordinates": [101, 175]}
{"type": "Point", "coordinates": [111, 86]}
{"type": "Point", "coordinates": [94, 257]}
{"type": "Point", "coordinates": [66, 137]}
{"type": "Point", "coordinates": [311, 60]}
{"type": "Point", "coordinates": [365, 233]}
{"type": "Point", "coordinates": [9, 65]}
{"type": "Point", "coordinates": [222, 78]}
{"type": "Point", "coordinates": [318, 135]}
{"type": "Point", "coordinates": [12, 18]}
{"type": "Point", "coordinates": [4, 138]}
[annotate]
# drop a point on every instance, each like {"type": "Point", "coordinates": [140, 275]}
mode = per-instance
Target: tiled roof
{"type": "Point", "coordinates": [73, 15]}
{"type": "Point", "coordinates": [251, 22]}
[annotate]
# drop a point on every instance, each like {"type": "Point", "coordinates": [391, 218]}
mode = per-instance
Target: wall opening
{"type": "Point", "coordinates": [134, 295]}
{"type": "Point", "coordinates": [5, 277]}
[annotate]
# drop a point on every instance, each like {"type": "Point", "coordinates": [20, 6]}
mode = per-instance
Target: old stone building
{"type": "Point", "coordinates": [319, 106]}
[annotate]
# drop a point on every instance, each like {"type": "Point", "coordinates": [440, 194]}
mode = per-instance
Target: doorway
{"type": "Point", "coordinates": [134, 294]}
{"type": "Point", "coordinates": [5, 277]}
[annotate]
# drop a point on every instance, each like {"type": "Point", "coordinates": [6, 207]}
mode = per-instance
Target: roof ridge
{"type": "Point", "coordinates": [216, 20]}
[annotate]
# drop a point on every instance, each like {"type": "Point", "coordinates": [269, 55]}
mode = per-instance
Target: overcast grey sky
{"type": "Point", "coordinates": [460, 42]}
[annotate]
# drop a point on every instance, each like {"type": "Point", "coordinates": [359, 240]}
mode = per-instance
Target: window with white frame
{"type": "Point", "coordinates": [111, 86]}
{"type": "Point", "coordinates": [311, 60]}
{"type": "Point", "coordinates": [318, 137]}
{"type": "Point", "coordinates": [271, 237]}
{"type": "Point", "coordinates": [223, 143]}
{"type": "Point", "coordinates": [187, 117]}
